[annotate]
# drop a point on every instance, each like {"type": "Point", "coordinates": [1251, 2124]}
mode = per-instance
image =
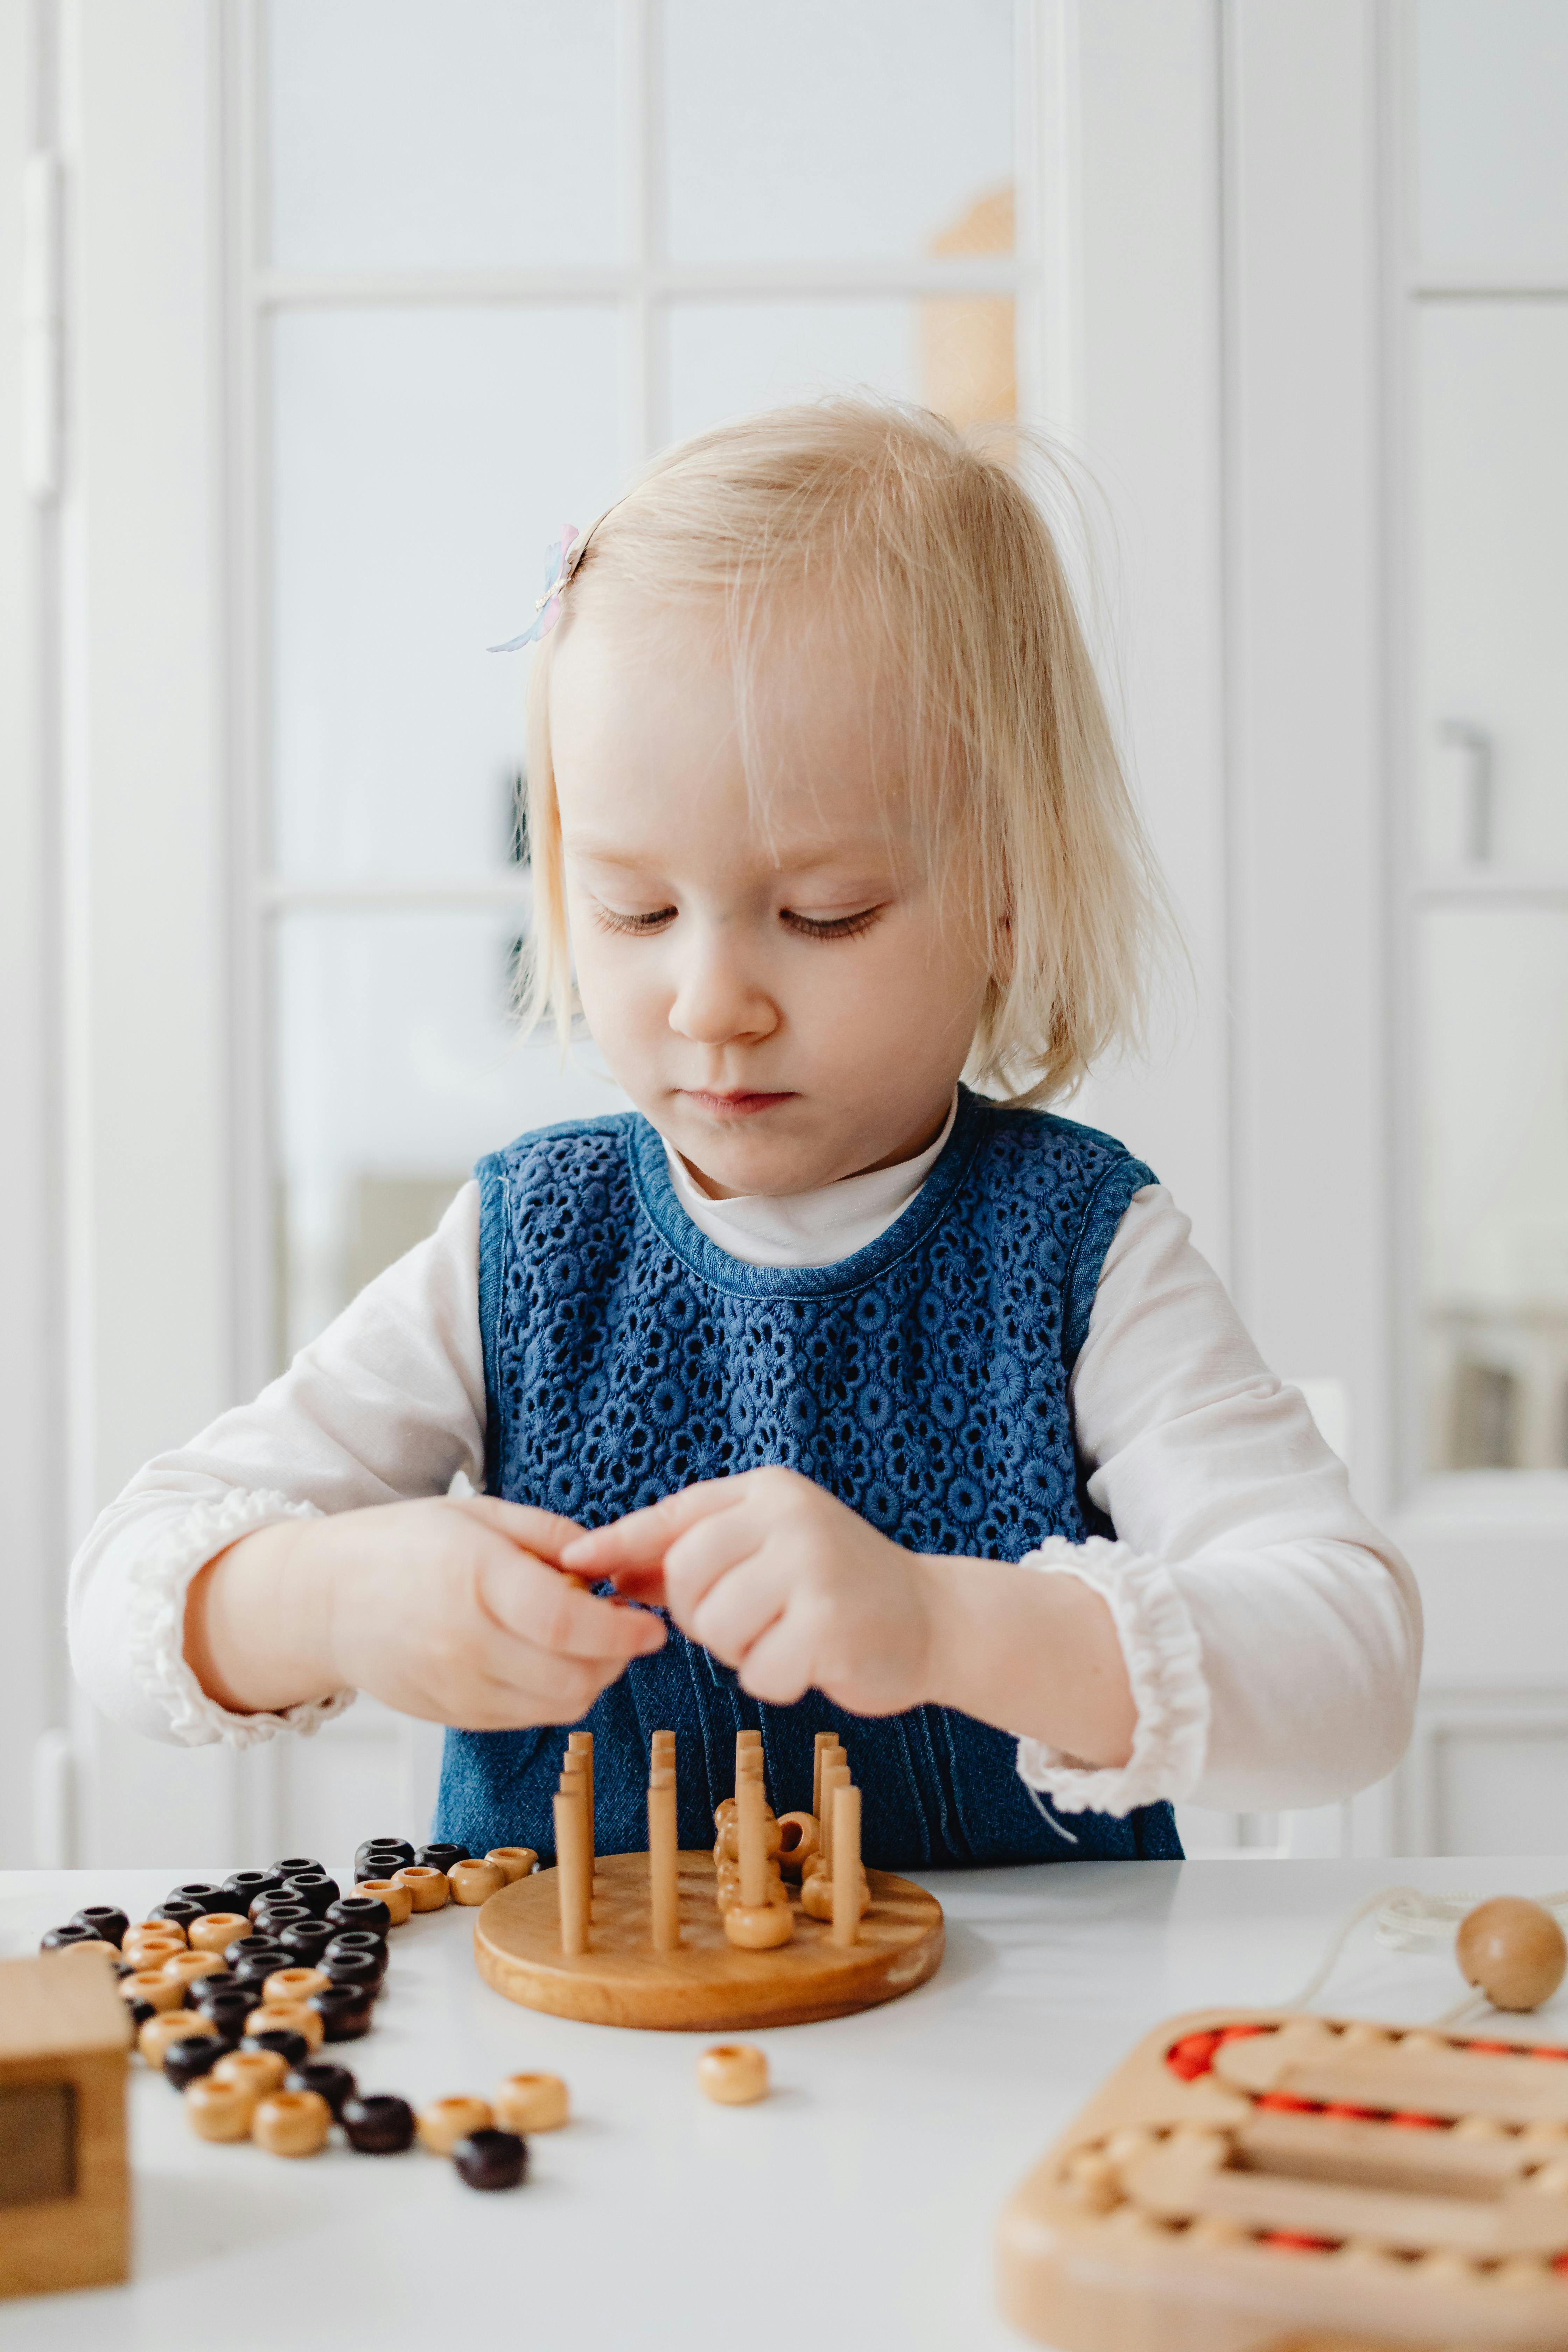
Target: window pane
{"type": "Point", "coordinates": [476, 134]}
{"type": "Point", "coordinates": [423, 460]}
{"type": "Point", "coordinates": [1492, 133]}
{"type": "Point", "coordinates": [1494, 1144]}
{"type": "Point", "coordinates": [398, 1065]}
{"type": "Point", "coordinates": [729, 358]}
{"type": "Point", "coordinates": [1492, 585]}
{"type": "Point", "coordinates": [821, 131]}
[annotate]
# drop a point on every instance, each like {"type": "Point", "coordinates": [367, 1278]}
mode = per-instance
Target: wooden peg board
{"type": "Point", "coordinates": [706, 1985]}
{"type": "Point", "coordinates": [1253, 2181]}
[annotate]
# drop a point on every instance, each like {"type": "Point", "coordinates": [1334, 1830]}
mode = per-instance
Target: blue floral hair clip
{"type": "Point", "coordinates": [563, 560]}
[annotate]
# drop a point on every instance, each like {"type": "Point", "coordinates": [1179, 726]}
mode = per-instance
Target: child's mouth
{"type": "Point", "coordinates": [740, 1105]}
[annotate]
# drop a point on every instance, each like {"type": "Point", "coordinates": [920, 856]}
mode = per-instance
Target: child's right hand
{"type": "Point", "coordinates": [449, 1610]}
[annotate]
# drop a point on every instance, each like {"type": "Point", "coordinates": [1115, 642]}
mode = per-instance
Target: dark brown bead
{"type": "Point", "coordinates": [379, 2124]}
{"type": "Point", "coordinates": [381, 1857]}
{"type": "Point", "coordinates": [60, 1939]}
{"type": "Point", "coordinates": [292, 2048]}
{"type": "Point", "coordinates": [179, 1911]}
{"type": "Point", "coordinates": [294, 1862]}
{"type": "Point", "coordinates": [140, 2011]}
{"type": "Point", "coordinates": [205, 1891]}
{"type": "Point", "coordinates": [352, 1970]}
{"type": "Point", "coordinates": [260, 1958]}
{"type": "Point", "coordinates": [333, 2084]}
{"type": "Point", "coordinates": [363, 1941]}
{"type": "Point", "coordinates": [185, 2061]}
{"type": "Point", "coordinates": [345, 2011]}
{"type": "Point", "coordinates": [492, 2160]}
{"type": "Point", "coordinates": [104, 1920]}
{"type": "Point", "coordinates": [314, 1889]}
{"type": "Point", "coordinates": [270, 1914]}
{"type": "Point", "coordinates": [307, 1939]}
{"type": "Point", "coordinates": [442, 1857]}
{"type": "Point", "coordinates": [243, 1887]}
{"type": "Point", "coordinates": [366, 1912]}
{"type": "Point", "coordinates": [227, 2004]}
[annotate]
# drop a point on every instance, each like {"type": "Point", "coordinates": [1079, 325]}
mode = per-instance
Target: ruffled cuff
{"type": "Point", "coordinates": [159, 1584]}
{"type": "Point", "coordinates": [1164, 1666]}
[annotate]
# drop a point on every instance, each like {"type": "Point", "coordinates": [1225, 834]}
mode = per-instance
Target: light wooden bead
{"type": "Point", "coordinates": [288, 2017]}
{"type": "Point", "coordinates": [759, 1927]}
{"type": "Point", "coordinates": [817, 1896]}
{"type": "Point", "coordinates": [294, 1986]}
{"type": "Point", "coordinates": [218, 1931]}
{"type": "Point", "coordinates": [446, 2121]}
{"type": "Point", "coordinates": [428, 1887]}
{"type": "Point", "coordinates": [398, 1900]}
{"type": "Point", "coordinates": [219, 2110]}
{"type": "Point", "coordinates": [152, 1986]}
{"type": "Point", "coordinates": [255, 2072]}
{"type": "Point", "coordinates": [514, 1862]}
{"type": "Point", "coordinates": [1514, 1950]}
{"type": "Point", "coordinates": [531, 2103]}
{"type": "Point", "coordinates": [185, 1968]}
{"type": "Point", "coordinates": [727, 1845]}
{"type": "Point", "coordinates": [170, 2026]}
{"type": "Point", "coordinates": [475, 1881]}
{"type": "Point", "coordinates": [797, 1842]}
{"type": "Point", "coordinates": [733, 2073]}
{"type": "Point", "coordinates": [146, 1948]}
{"type": "Point", "coordinates": [292, 2122]}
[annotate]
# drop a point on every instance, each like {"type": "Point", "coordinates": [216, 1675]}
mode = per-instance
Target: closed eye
{"type": "Point", "coordinates": [834, 927]}
{"type": "Point", "coordinates": [609, 919]}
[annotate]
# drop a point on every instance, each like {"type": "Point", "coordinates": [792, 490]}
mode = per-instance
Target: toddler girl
{"type": "Point", "coordinates": [909, 1408]}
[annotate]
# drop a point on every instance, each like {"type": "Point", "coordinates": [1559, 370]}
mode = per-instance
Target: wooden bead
{"type": "Point", "coordinates": [254, 1958]}
{"type": "Point", "coordinates": [445, 2121]}
{"type": "Point", "coordinates": [254, 2072]}
{"type": "Point", "coordinates": [206, 1894]}
{"type": "Point", "coordinates": [382, 1857]}
{"type": "Point", "coordinates": [276, 1914]}
{"type": "Point", "coordinates": [286, 2017]}
{"type": "Point", "coordinates": [109, 1924]}
{"type": "Point", "coordinates": [797, 1842]}
{"type": "Point", "coordinates": [192, 2055]}
{"type": "Point", "coordinates": [294, 1984]}
{"type": "Point", "coordinates": [759, 1927]}
{"type": "Point", "coordinates": [475, 1881]}
{"type": "Point", "coordinates": [314, 1889]}
{"type": "Point", "coordinates": [397, 1900]}
{"type": "Point", "coordinates": [531, 2103]}
{"type": "Point", "coordinates": [358, 1912]}
{"type": "Point", "coordinates": [283, 2043]}
{"type": "Point", "coordinates": [442, 1857]}
{"type": "Point", "coordinates": [243, 1887]}
{"type": "Point", "coordinates": [220, 2109]}
{"type": "Point", "coordinates": [490, 2159]}
{"type": "Point", "coordinates": [186, 1968]}
{"type": "Point", "coordinates": [217, 1930]}
{"type": "Point", "coordinates": [358, 1969]}
{"type": "Point", "coordinates": [816, 1894]}
{"type": "Point", "coordinates": [378, 2125]}
{"type": "Point", "coordinates": [1514, 1950]}
{"type": "Point", "coordinates": [514, 1862]}
{"type": "Point", "coordinates": [345, 2010]}
{"type": "Point", "coordinates": [149, 1947]}
{"type": "Point", "coordinates": [292, 2122]}
{"type": "Point", "coordinates": [227, 2004]}
{"type": "Point", "coordinates": [66, 1938]}
{"type": "Point", "coordinates": [306, 1943]}
{"type": "Point", "coordinates": [333, 2084]}
{"type": "Point", "coordinates": [733, 2073]}
{"type": "Point", "coordinates": [428, 1887]}
{"type": "Point", "coordinates": [154, 1988]}
{"type": "Point", "coordinates": [293, 1863]}
{"type": "Point", "coordinates": [168, 2026]}
{"type": "Point", "coordinates": [176, 1912]}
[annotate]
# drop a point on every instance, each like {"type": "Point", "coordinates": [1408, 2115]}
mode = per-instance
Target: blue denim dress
{"type": "Point", "coordinates": [923, 1381]}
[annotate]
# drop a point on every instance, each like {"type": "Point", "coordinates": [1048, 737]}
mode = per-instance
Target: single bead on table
{"type": "Point", "coordinates": [516, 1861]}
{"type": "Point", "coordinates": [60, 1939]}
{"type": "Point", "coordinates": [219, 2108]}
{"type": "Point", "coordinates": [475, 1881]}
{"type": "Point", "coordinates": [255, 2072]}
{"type": "Point", "coordinates": [196, 2054]}
{"type": "Point", "coordinates": [733, 2073]}
{"type": "Point", "coordinates": [243, 1887]}
{"type": "Point", "coordinates": [106, 1922]}
{"type": "Point", "coordinates": [204, 1894]}
{"type": "Point", "coordinates": [378, 2124]}
{"type": "Point", "coordinates": [306, 1942]}
{"type": "Point", "coordinates": [292, 1864]}
{"type": "Point", "coordinates": [333, 2084]}
{"type": "Point", "coordinates": [428, 1887]}
{"type": "Point", "coordinates": [531, 2103]}
{"type": "Point", "coordinates": [270, 1914]}
{"type": "Point", "coordinates": [292, 2047]}
{"type": "Point", "coordinates": [165, 2027]}
{"type": "Point", "coordinates": [175, 1912]}
{"type": "Point", "coordinates": [365, 1913]}
{"type": "Point", "coordinates": [356, 1971]}
{"type": "Point", "coordinates": [443, 2122]}
{"type": "Point", "coordinates": [442, 1857]}
{"type": "Point", "coordinates": [189, 1968]}
{"type": "Point", "coordinates": [153, 1987]}
{"type": "Point", "coordinates": [227, 2008]}
{"type": "Point", "coordinates": [294, 1984]}
{"type": "Point", "coordinates": [395, 1899]}
{"type": "Point", "coordinates": [216, 1930]}
{"type": "Point", "coordinates": [1514, 1950]}
{"type": "Point", "coordinates": [490, 2159]}
{"type": "Point", "coordinates": [314, 1889]}
{"type": "Point", "coordinates": [255, 1966]}
{"type": "Point", "coordinates": [292, 2122]}
{"type": "Point", "coordinates": [155, 1940]}
{"type": "Point", "coordinates": [382, 1857]}
{"type": "Point", "coordinates": [345, 2011]}
{"type": "Point", "coordinates": [286, 2017]}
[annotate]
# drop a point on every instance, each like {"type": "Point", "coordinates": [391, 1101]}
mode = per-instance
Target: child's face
{"type": "Point", "coordinates": [777, 991]}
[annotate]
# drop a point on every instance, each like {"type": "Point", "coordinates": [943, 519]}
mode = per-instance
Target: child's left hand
{"type": "Point", "coordinates": [782, 1582]}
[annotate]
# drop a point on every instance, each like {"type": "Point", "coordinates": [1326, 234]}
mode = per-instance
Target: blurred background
{"type": "Point", "coordinates": [322, 315]}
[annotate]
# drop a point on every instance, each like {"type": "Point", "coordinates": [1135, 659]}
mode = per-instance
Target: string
{"type": "Point", "coordinates": [1408, 1921]}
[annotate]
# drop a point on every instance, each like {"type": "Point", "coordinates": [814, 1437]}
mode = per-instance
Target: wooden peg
{"type": "Point", "coordinates": [835, 1775]}
{"type": "Point", "coordinates": [846, 1864]}
{"type": "Point", "coordinates": [574, 1863]}
{"type": "Point", "coordinates": [663, 1858]}
{"type": "Point", "coordinates": [826, 1745]}
{"type": "Point", "coordinates": [663, 1750]}
{"type": "Point", "coordinates": [581, 1743]}
{"type": "Point", "coordinates": [751, 1839]}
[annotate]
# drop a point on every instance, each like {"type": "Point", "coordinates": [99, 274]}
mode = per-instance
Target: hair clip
{"type": "Point", "coordinates": [562, 563]}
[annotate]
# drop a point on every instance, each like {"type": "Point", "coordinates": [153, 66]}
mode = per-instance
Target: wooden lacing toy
{"type": "Point", "coordinates": [1252, 2179]}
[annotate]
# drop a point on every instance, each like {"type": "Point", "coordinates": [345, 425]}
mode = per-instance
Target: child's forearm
{"type": "Point", "coordinates": [1033, 1654]}
{"type": "Point", "coordinates": [256, 1628]}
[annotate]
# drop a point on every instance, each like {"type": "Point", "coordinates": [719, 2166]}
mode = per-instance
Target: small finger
{"type": "Point", "coordinates": [529, 1599]}
{"type": "Point", "coordinates": [713, 1549]}
{"type": "Point", "coordinates": [642, 1537]}
{"type": "Point", "coordinates": [544, 1533]}
{"type": "Point", "coordinates": [736, 1611]}
{"type": "Point", "coordinates": [776, 1668]}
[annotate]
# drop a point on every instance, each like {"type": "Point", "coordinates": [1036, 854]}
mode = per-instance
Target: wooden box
{"type": "Point", "coordinates": [1264, 2181]}
{"type": "Point", "coordinates": [64, 2200]}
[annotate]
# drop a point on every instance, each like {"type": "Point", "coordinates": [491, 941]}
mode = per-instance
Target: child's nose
{"type": "Point", "coordinates": [716, 999]}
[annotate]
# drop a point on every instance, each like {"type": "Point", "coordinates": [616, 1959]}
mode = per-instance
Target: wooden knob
{"type": "Point", "coordinates": [759, 1927]}
{"type": "Point", "coordinates": [292, 2122]}
{"type": "Point", "coordinates": [445, 2121]}
{"type": "Point", "coordinates": [220, 2109]}
{"type": "Point", "coordinates": [398, 1899]}
{"type": "Point", "coordinates": [475, 1881]}
{"type": "Point", "coordinates": [427, 1886]}
{"type": "Point", "coordinates": [514, 1860]}
{"type": "Point", "coordinates": [1514, 1949]}
{"type": "Point", "coordinates": [732, 2074]}
{"type": "Point", "coordinates": [531, 2103]}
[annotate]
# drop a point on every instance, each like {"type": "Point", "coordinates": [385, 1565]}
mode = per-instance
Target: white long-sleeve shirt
{"type": "Point", "coordinates": [1272, 1636]}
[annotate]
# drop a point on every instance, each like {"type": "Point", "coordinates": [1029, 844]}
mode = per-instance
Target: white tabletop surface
{"type": "Point", "coordinates": [860, 2199]}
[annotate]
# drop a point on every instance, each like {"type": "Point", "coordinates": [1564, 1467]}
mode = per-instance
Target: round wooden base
{"type": "Point", "coordinates": [706, 1985]}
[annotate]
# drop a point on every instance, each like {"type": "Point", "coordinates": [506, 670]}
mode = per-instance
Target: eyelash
{"type": "Point", "coordinates": [838, 927]}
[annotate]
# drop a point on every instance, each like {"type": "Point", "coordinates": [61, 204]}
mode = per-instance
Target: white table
{"type": "Point", "coordinates": [860, 2199]}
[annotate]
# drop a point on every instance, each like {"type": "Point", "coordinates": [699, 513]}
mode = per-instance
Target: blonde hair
{"type": "Point", "coordinates": [946, 571]}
